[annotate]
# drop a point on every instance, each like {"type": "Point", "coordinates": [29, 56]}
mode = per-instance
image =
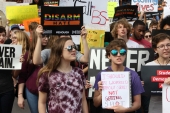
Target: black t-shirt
{"type": "Point", "coordinates": [6, 82]}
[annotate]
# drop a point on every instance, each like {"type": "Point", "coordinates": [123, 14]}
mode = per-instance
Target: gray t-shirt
{"type": "Point", "coordinates": [45, 55]}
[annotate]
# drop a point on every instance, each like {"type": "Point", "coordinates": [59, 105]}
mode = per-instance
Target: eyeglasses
{"type": "Point", "coordinates": [148, 36]}
{"type": "Point", "coordinates": [45, 36]}
{"type": "Point", "coordinates": [70, 48]}
{"type": "Point", "coordinates": [122, 52]}
{"type": "Point", "coordinates": [163, 46]}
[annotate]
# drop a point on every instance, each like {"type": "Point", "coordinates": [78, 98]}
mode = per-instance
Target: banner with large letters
{"type": "Point", "coordinates": [62, 20]}
{"type": "Point", "coordinates": [154, 77]}
{"type": "Point", "coordinates": [10, 57]}
{"type": "Point", "coordinates": [136, 57]}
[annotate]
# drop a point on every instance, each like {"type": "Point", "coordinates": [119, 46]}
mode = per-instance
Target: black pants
{"type": "Point", "coordinates": [6, 101]}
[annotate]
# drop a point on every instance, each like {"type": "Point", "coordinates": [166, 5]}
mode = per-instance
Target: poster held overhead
{"type": "Point", "coordinates": [62, 20]}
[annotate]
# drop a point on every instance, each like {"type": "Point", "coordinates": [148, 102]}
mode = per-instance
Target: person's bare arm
{"type": "Point", "coordinates": [85, 57]}
{"type": "Point", "coordinates": [37, 60]}
{"type": "Point", "coordinates": [42, 102]}
{"type": "Point", "coordinates": [85, 69]}
{"type": "Point", "coordinates": [97, 99]}
{"type": "Point", "coordinates": [20, 95]}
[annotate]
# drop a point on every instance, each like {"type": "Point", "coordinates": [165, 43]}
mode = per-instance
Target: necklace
{"type": "Point", "coordinates": [160, 64]}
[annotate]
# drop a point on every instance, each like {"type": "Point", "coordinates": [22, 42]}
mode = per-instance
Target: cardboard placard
{"type": "Point", "coordinates": [62, 20]}
{"type": "Point", "coordinates": [10, 57]}
{"type": "Point", "coordinates": [27, 22]}
{"type": "Point", "coordinates": [17, 14]}
{"type": "Point", "coordinates": [128, 12]}
{"type": "Point", "coordinates": [153, 77]}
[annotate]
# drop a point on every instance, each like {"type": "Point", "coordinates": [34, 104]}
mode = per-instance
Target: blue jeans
{"type": "Point", "coordinates": [32, 101]}
{"type": "Point", "coordinates": [6, 101]}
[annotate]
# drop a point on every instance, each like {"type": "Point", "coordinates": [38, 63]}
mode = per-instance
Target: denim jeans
{"type": "Point", "coordinates": [145, 101]}
{"type": "Point", "coordinates": [32, 101]}
{"type": "Point", "coordinates": [6, 101]}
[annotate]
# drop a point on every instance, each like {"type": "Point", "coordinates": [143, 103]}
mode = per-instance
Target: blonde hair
{"type": "Point", "coordinates": [22, 39]}
{"type": "Point", "coordinates": [125, 23]}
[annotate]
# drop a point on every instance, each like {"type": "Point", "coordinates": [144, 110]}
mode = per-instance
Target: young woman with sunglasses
{"type": "Point", "coordinates": [41, 57]}
{"type": "Point", "coordinates": [61, 85]}
{"type": "Point", "coordinates": [161, 46]}
{"type": "Point", "coordinates": [148, 36]}
{"type": "Point", "coordinates": [116, 52]}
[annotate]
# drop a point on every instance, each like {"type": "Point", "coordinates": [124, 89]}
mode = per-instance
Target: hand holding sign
{"type": "Point", "coordinates": [118, 109]}
{"type": "Point", "coordinates": [39, 30]}
{"type": "Point", "coordinates": [83, 32]}
{"type": "Point", "coordinates": [100, 86]}
{"type": "Point", "coordinates": [167, 81]}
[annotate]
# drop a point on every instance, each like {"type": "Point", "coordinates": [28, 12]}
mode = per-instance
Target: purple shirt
{"type": "Point", "coordinates": [64, 90]}
{"type": "Point", "coordinates": [136, 86]}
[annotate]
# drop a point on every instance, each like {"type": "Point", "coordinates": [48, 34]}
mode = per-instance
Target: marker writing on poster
{"type": "Point", "coordinates": [6, 57]}
{"type": "Point", "coordinates": [167, 96]}
{"type": "Point", "coordinates": [87, 6]}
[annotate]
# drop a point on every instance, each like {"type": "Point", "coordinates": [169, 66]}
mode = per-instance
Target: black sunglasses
{"type": "Point", "coordinates": [148, 36]}
{"type": "Point", "coordinates": [70, 48]}
{"type": "Point", "coordinates": [122, 52]}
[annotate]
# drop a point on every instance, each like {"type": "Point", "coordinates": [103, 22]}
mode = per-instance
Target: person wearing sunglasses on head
{"type": "Point", "coordinates": [161, 46]}
{"type": "Point", "coordinates": [116, 52]}
{"type": "Point", "coordinates": [41, 57]}
{"type": "Point", "coordinates": [148, 36]}
{"type": "Point", "coordinates": [60, 83]}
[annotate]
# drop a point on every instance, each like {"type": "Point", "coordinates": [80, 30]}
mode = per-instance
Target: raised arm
{"type": "Point", "coordinates": [85, 57]}
{"type": "Point", "coordinates": [37, 60]}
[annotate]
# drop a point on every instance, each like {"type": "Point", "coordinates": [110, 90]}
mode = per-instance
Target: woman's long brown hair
{"type": "Point", "coordinates": [55, 57]}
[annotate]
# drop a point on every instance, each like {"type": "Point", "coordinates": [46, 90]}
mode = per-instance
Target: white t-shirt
{"type": "Point", "coordinates": [133, 44]}
{"type": "Point", "coordinates": [153, 63]}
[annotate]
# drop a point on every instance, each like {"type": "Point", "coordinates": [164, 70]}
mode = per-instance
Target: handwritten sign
{"type": "Point", "coordinates": [16, 14]}
{"type": "Point", "coordinates": [116, 89]}
{"type": "Point", "coordinates": [95, 12]}
{"type": "Point", "coordinates": [27, 22]}
{"type": "Point", "coordinates": [62, 20]}
{"type": "Point", "coordinates": [136, 57]}
{"type": "Point", "coordinates": [166, 11]}
{"type": "Point", "coordinates": [111, 8]}
{"type": "Point", "coordinates": [95, 38]}
{"type": "Point", "coordinates": [146, 5]}
{"type": "Point", "coordinates": [165, 98]}
{"type": "Point", "coordinates": [10, 57]}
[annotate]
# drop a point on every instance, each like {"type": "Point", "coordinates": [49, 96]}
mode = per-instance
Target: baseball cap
{"type": "Point", "coordinates": [15, 27]}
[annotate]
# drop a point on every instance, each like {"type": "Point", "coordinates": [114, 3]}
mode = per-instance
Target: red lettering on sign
{"type": "Point", "coordinates": [145, 7]}
{"type": "Point", "coordinates": [167, 96]}
{"type": "Point", "coordinates": [160, 85]}
{"type": "Point", "coordinates": [98, 17]}
{"type": "Point", "coordinates": [158, 78]}
{"type": "Point", "coordinates": [163, 72]}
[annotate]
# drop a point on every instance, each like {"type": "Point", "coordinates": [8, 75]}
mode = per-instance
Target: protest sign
{"type": "Point", "coordinates": [136, 57]}
{"type": "Point", "coordinates": [146, 5]}
{"type": "Point", "coordinates": [95, 38]}
{"type": "Point", "coordinates": [153, 77]}
{"type": "Point", "coordinates": [155, 32]}
{"type": "Point", "coordinates": [95, 12]}
{"type": "Point", "coordinates": [17, 14]}
{"type": "Point", "coordinates": [51, 2]}
{"type": "Point", "coordinates": [10, 57]}
{"type": "Point", "coordinates": [128, 12]}
{"type": "Point", "coordinates": [111, 9]}
{"type": "Point", "coordinates": [62, 20]}
{"type": "Point", "coordinates": [165, 98]}
{"type": "Point", "coordinates": [27, 22]}
{"type": "Point", "coordinates": [166, 11]}
{"type": "Point", "coordinates": [116, 89]}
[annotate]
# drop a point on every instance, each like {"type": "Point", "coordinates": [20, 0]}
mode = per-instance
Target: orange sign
{"type": "Point", "coordinates": [27, 22]}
